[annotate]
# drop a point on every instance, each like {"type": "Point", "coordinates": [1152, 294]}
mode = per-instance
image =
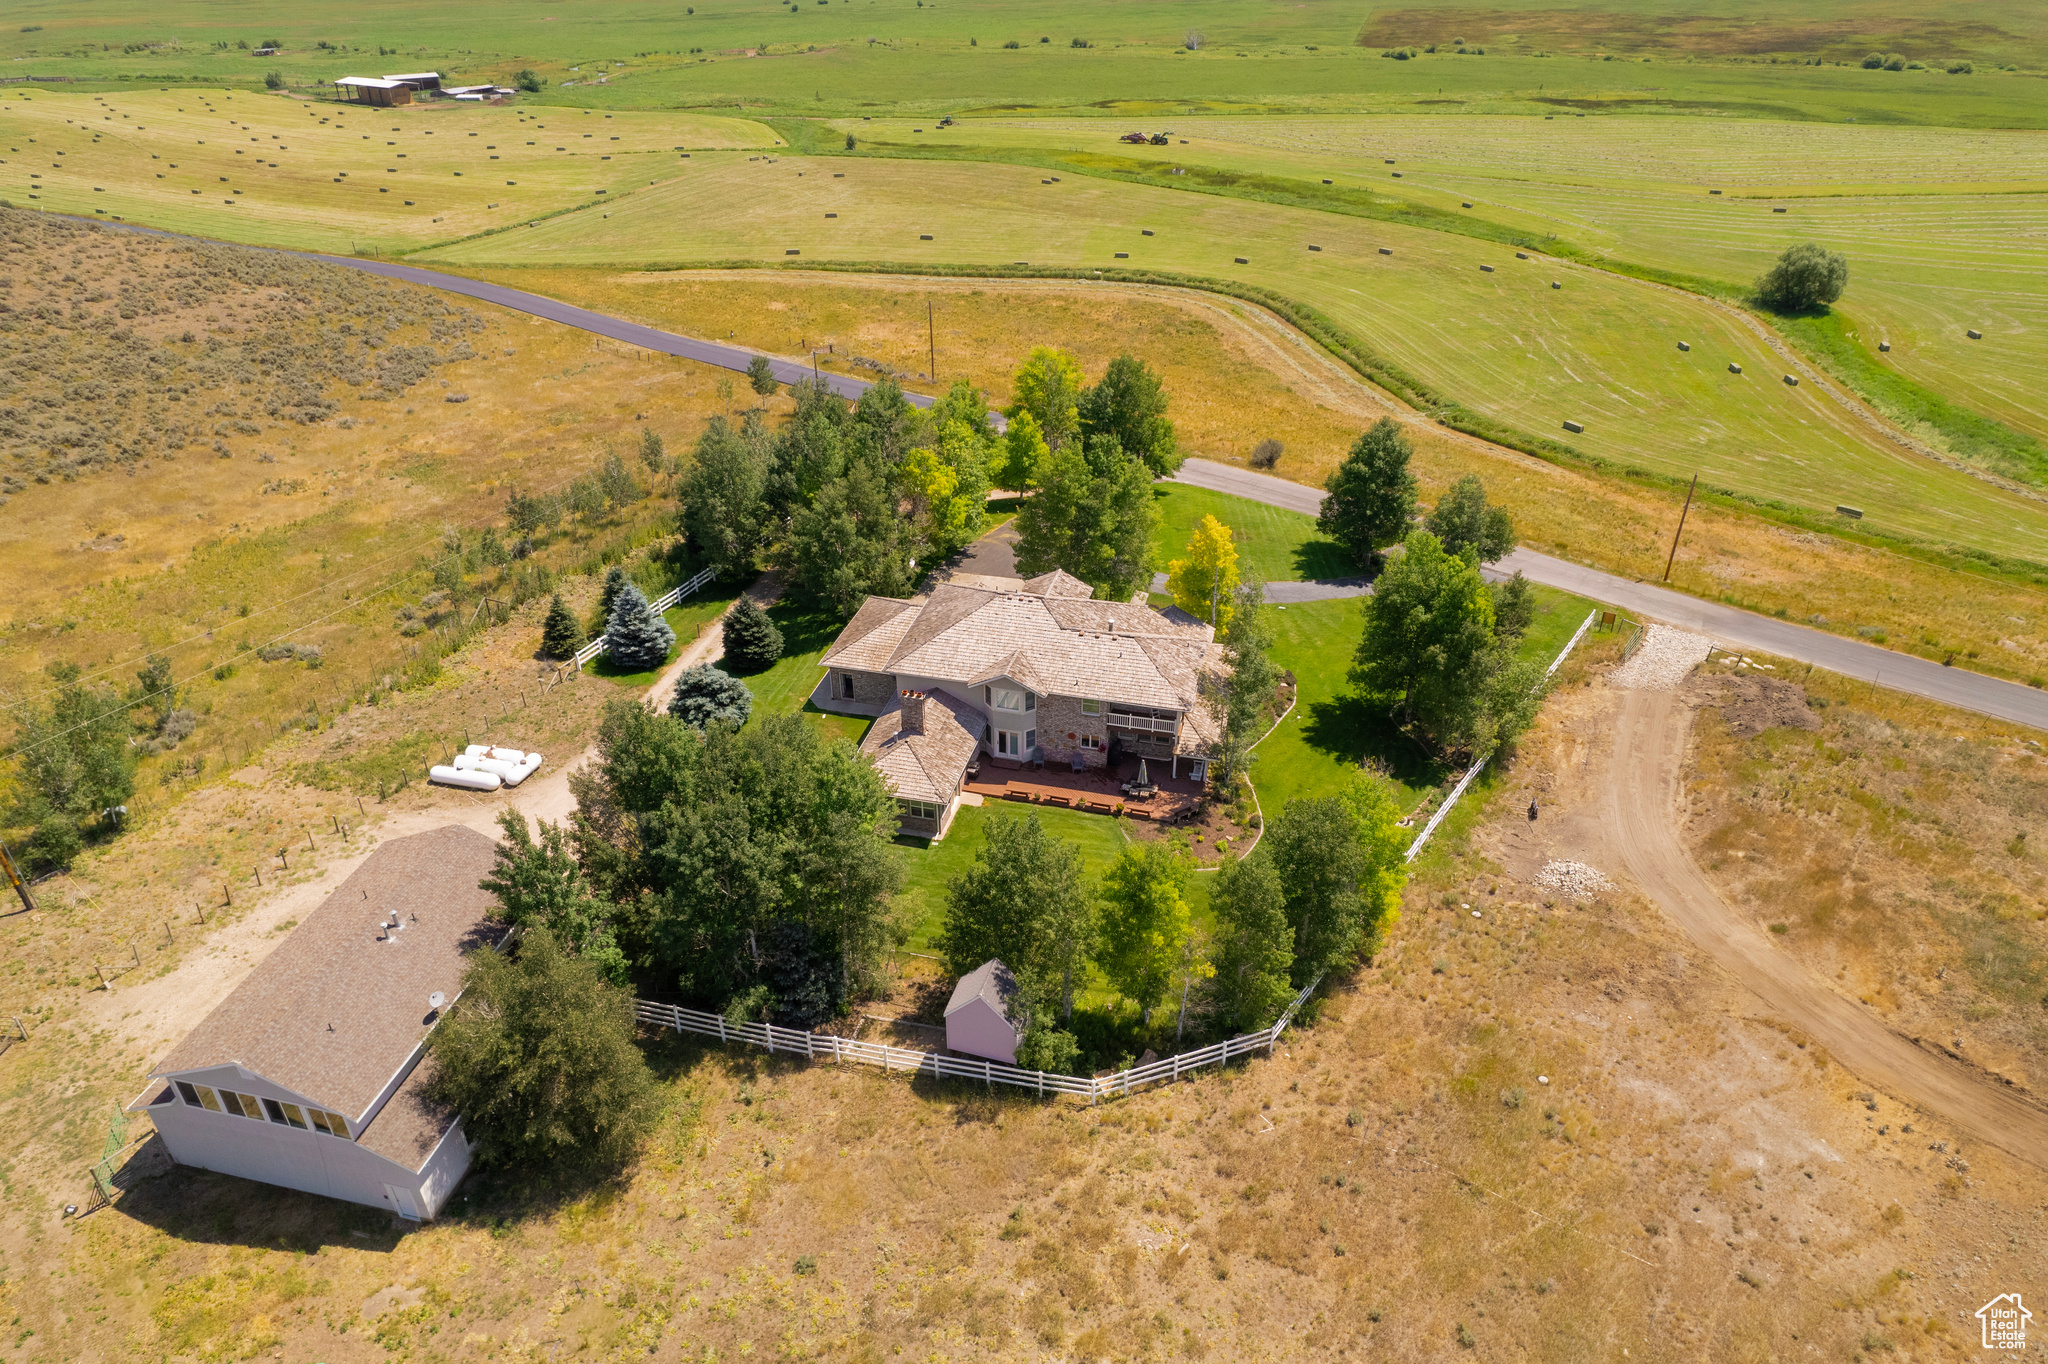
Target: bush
{"type": "Point", "coordinates": [528, 81]}
{"type": "Point", "coordinates": [1894, 62]}
{"type": "Point", "coordinates": [1874, 62]}
{"type": "Point", "coordinates": [1961, 69]}
{"type": "Point", "coordinates": [1266, 453]}
{"type": "Point", "coordinates": [273, 80]}
{"type": "Point", "coordinates": [538, 1057]}
{"type": "Point", "coordinates": [752, 641]}
{"type": "Point", "coordinates": [705, 694]}
{"type": "Point", "coordinates": [1805, 278]}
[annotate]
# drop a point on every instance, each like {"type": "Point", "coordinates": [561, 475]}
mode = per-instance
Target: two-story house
{"type": "Point", "coordinates": [1041, 672]}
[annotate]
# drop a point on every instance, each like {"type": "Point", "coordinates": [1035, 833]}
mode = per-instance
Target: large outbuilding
{"type": "Point", "coordinates": [308, 1075]}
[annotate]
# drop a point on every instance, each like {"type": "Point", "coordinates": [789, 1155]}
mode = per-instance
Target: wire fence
{"type": "Point", "coordinates": [814, 1046]}
{"type": "Point", "coordinates": [658, 605]}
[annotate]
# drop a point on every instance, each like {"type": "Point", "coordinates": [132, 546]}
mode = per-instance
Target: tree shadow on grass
{"type": "Point", "coordinates": [1321, 560]}
{"type": "Point", "coordinates": [1356, 731]}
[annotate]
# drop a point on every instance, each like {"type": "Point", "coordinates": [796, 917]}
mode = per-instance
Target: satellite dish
{"type": "Point", "coordinates": [436, 1000]}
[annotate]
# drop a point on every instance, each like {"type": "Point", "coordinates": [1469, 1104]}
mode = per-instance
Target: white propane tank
{"type": "Point", "coordinates": [468, 780]}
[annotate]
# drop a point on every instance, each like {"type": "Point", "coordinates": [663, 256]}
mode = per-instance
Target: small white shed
{"type": "Point", "coordinates": [978, 1017]}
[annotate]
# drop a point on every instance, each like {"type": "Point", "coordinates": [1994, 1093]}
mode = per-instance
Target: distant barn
{"type": "Point", "coordinates": [373, 90]}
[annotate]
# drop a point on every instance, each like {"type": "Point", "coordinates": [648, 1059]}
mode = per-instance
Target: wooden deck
{"type": "Point", "coordinates": [1094, 790]}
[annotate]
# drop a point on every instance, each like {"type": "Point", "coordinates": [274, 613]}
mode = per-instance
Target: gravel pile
{"type": "Point", "coordinates": [1573, 878]}
{"type": "Point", "coordinates": [1662, 660]}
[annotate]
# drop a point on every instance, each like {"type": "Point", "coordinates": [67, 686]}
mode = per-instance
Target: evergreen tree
{"type": "Point", "coordinates": [539, 1057]}
{"type": "Point", "coordinates": [705, 695]}
{"type": "Point", "coordinates": [849, 543]}
{"type": "Point", "coordinates": [725, 509]}
{"type": "Point", "coordinates": [560, 635]}
{"type": "Point", "coordinates": [1371, 495]}
{"type": "Point", "coordinates": [636, 638]}
{"type": "Point", "coordinates": [1254, 944]}
{"type": "Point", "coordinates": [607, 597]}
{"type": "Point", "coordinates": [752, 640]}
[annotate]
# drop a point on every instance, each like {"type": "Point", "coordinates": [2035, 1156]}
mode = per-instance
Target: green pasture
{"type": "Point", "coordinates": [1941, 225]}
{"type": "Point", "coordinates": [1331, 731]}
{"type": "Point", "coordinates": [1744, 59]}
{"type": "Point", "coordinates": [1273, 545]}
{"type": "Point", "coordinates": [259, 167]}
{"type": "Point", "coordinates": [1601, 349]}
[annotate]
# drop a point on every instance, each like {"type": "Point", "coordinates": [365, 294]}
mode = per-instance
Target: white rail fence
{"type": "Point", "coordinates": [814, 1046]}
{"type": "Point", "coordinates": [660, 604]}
{"type": "Point", "coordinates": [1473, 771]}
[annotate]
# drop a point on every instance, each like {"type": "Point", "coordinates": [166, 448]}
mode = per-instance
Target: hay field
{"type": "Point", "coordinates": [268, 168]}
{"type": "Point", "coordinates": [1942, 226]}
{"type": "Point", "coordinates": [1600, 350]}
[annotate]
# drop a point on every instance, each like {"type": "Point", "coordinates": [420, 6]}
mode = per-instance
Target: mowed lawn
{"type": "Point", "coordinates": [262, 167]}
{"type": "Point", "coordinates": [929, 866]}
{"type": "Point", "coordinates": [1331, 731]}
{"type": "Point", "coordinates": [1600, 349]}
{"type": "Point", "coordinates": [1273, 545]}
{"type": "Point", "coordinates": [785, 687]}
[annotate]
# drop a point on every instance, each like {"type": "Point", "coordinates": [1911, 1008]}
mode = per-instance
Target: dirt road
{"type": "Point", "coordinates": [1642, 829]}
{"type": "Point", "coordinates": [155, 1013]}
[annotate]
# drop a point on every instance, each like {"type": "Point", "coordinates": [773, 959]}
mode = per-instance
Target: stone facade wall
{"type": "Point", "coordinates": [1059, 716]}
{"type": "Point", "coordinates": [872, 688]}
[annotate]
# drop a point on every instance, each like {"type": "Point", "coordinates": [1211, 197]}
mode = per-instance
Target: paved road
{"type": "Point", "coordinates": [1727, 625]}
{"type": "Point", "coordinates": [554, 310]}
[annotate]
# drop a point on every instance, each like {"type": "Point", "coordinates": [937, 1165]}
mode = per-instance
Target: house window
{"type": "Point", "coordinates": [1030, 701]}
{"type": "Point", "coordinates": [1030, 740]}
{"type": "Point", "coordinates": [919, 809]}
{"type": "Point", "coordinates": [1092, 742]}
{"type": "Point", "coordinates": [1011, 698]}
{"type": "Point", "coordinates": [294, 1117]}
{"type": "Point", "coordinates": [846, 686]}
{"type": "Point", "coordinates": [338, 1125]}
{"type": "Point", "coordinates": [190, 1095]}
{"type": "Point", "coordinates": [207, 1099]}
{"type": "Point", "coordinates": [252, 1107]}
{"type": "Point", "coordinates": [232, 1102]}
{"type": "Point", "coordinates": [1091, 708]}
{"type": "Point", "coordinates": [275, 1110]}
{"type": "Point", "coordinates": [319, 1120]}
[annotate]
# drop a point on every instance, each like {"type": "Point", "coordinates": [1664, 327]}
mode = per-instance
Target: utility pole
{"type": "Point", "coordinates": [1681, 528]}
{"type": "Point", "coordinates": [14, 880]}
{"type": "Point", "coordinates": [931, 336]}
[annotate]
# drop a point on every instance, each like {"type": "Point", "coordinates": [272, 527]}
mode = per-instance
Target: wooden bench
{"type": "Point", "coordinates": [1011, 793]}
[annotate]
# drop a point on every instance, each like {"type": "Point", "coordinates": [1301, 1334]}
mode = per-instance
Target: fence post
{"type": "Point", "coordinates": [988, 1077]}
{"type": "Point", "coordinates": [721, 1027]}
{"type": "Point", "coordinates": [809, 1055]}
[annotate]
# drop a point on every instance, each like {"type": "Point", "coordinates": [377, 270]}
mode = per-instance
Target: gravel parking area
{"type": "Point", "coordinates": [1662, 660]}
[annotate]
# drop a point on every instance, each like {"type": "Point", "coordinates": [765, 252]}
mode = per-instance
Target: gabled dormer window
{"type": "Point", "coordinates": [1009, 698]}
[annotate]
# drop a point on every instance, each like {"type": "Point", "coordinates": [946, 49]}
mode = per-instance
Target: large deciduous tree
{"type": "Point", "coordinates": [539, 1058]}
{"type": "Point", "coordinates": [1048, 386]}
{"type": "Point", "coordinates": [1147, 925]}
{"type": "Point", "coordinates": [73, 763]}
{"type": "Point", "coordinates": [539, 884]}
{"type": "Point", "coordinates": [1428, 631]}
{"type": "Point", "coordinates": [1254, 944]}
{"type": "Point", "coordinates": [1093, 517]}
{"type": "Point", "coordinates": [1467, 524]}
{"type": "Point", "coordinates": [1806, 277]}
{"type": "Point", "coordinates": [725, 509]}
{"type": "Point", "coordinates": [1130, 404]}
{"type": "Point", "coordinates": [1371, 496]}
{"type": "Point", "coordinates": [1023, 901]}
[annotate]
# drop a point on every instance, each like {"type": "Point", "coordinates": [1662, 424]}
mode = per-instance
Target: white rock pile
{"type": "Point", "coordinates": [1662, 660]}
{"type": "Point", "coordinates": [1575, 879]}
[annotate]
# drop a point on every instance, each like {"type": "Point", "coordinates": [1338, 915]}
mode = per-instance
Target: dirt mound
{"type": "Point", "coordinates": [1749, 704]}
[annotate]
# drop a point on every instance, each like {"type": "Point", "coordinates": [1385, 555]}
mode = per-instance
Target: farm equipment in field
{"type": "Point", "coordinates": [1157, 139]}
{"type": "Point", "coordinates": [1138, 138]}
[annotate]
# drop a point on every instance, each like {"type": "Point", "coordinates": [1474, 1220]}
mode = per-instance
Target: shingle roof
{"type": "Point", "coordinates": [333, 1012]}
{"type": "Point", "coordinates": [991, 982]}
{"type": "Point", "coordinates": [925, 766]}
{"type": "Point", "coordinates": [1065, 645]}
{"type": "Point", "coordinates": [410, 1125]}
{"type": "Point", "coordinates": [1058, 583]}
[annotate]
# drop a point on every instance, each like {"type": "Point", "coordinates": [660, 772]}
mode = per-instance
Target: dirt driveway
{"type": "Point", "coordinates": [1639, 822]}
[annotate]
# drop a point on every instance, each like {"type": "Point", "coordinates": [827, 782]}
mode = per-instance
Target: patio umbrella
{"type": "Point", "coordinates": [1143, 779]}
